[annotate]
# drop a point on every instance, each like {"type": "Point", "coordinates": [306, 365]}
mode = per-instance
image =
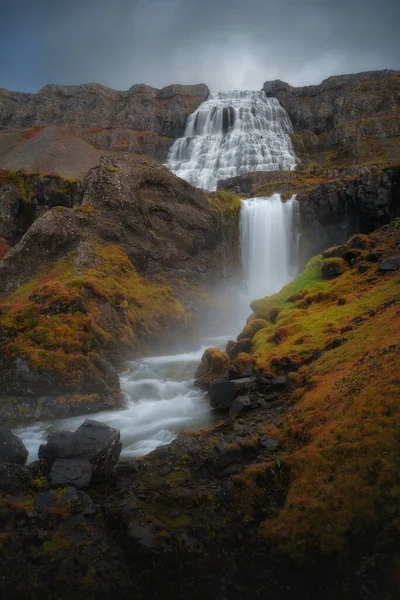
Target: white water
{"type": "Point", "coordinates": [233, 133]}
{"type": "Point", "coordinates": [160, 401]}
{"type": "Point", "coordinates": [268, 243]}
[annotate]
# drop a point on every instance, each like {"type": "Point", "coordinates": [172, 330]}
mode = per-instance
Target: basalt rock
{"type": "Point", "coordinates": [12, 448]}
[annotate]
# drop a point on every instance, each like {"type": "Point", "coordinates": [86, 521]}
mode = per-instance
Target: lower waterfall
{"type": "Point", "coordinates": [268, 242]}
{"type": "Point", "coordinates": [159, 391]}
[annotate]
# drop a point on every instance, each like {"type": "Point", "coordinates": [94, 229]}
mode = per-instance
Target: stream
{"type": "Point", "coordinates": [160, 401]}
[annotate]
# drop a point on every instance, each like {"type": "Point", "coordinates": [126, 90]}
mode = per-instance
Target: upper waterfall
{"type": "Point", "coordinates": [233, 133]}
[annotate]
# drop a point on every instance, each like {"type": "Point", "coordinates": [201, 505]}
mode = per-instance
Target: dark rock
{"type": "Point", "coordinates": [162, 451]}
{"type": "Point", "coordinates": [88, 508]}
{"type": "Point", "coordinates": [39, 468]}
{"type": "Point", "coordinates": [70, 471]}
{"type": "Point", "coordinates": [270, 444]}
{"type": "Point", "coordinates": [335, 343]}
{"type": "Point", "coordinates": [392, 263]}
{"type": "Point", "coordinates": [141, 535]}
{"type": "Point", "coordinates": [93, 441]}
{"type": "Point", "coordinates": [362, 268]}
{"type": "Point", "coordinates": [14, 478]}
{"type": "Point", "coordinates": [245, 384]}
{"type": "Point", "coordinates": [280, 381]}
{"type": "Point", "coordinates": [222, 394]}
{"type": "Point", "coordinates": [373, 257]}
{"type": "Point", "coordinates": [239, 403]}
{"type": "Point", "coordinates": [12, 449]}
{"type": "Point", "coordinates": [358, 320]}
{"type": "Point", "coordinates": [333, 268]}
{"type": "Point", "coordinates": [243, 345]}
{"type": "Point", "coordinates": [45, 501]}
{"type": "Point", "coordinates": [335, 252]}
{"type": "Point", "coordinates": [359, 242]}
{"type": "Point", "coordinates": [233, 373]}
{"type": "Point", "coordinates": [350, 256]}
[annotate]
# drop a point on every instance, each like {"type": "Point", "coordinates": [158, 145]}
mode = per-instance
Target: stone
{"type": "Point", "coordinates": [39, 468]}
{"type": "Point", "coordinates": [14, 478]}
{"type": "Point", "coordinates": [362, 268]}
{"type": "Point", "coordinates": [239, 403]}
{"type": "Point", "coordinates": [141, 535]}
{"type": "Point", "coordinates": [245, 384]}
{"type": "Point", "coordinates": [392, 263]}
{"type": "Point", "coordinates": [12, 448]}
{"type": "Point", "coordinates": [71, 471]}
{"type": "Point", "coordinates": [93, 441]}
{"type": "Point", "coordinates": [270, 444]}
{"type": "Point", "coordinates": [280, 381]}
{"type": "Point", "coordinates": [222, 394]}
{"type": "Point", "coordinates": [332, 268]}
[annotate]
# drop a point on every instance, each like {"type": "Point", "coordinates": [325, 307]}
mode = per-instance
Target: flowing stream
{"type": "Point", "coordinates": [160, 401]}
{"type": "Point", "coordinates": [233, 133]}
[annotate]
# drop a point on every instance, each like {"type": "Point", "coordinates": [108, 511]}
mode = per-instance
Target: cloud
{"type": "Point", "coordinates": [225, 43]}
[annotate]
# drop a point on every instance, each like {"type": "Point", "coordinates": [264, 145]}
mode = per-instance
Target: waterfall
{"type": "Point", "coordinates": [233, 133]}
{"type": "Point", "coordinates": [268, 244]}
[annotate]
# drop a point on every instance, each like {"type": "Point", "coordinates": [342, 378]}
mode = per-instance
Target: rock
{"type": "Point", "coordinates": [239, 403]}
{"type": "Point", "coordinates": [333, 267]}
{"type": "Point", "coordinates": [350, 256]}
{"type": "Point", "coordinates": [222, 394]}
{"type": "Point", "coordinates": [93, 441]}
{"type": "Point", "coordinates": [245, 384]}
{"type": "Point", "coordinates": [14, 478]}
{"type": "Point", "coordinates": [141, 535]}
{"type": "Point", "coordinates": [373, 257]}
{"type": "Point", "coordinates": [12, 448]}
{"type": "Point", "coordinates": [243, 345]}
{"type": "Point", "coordinates": [334, 252]}
{"type": "Point", "coordinates": [270, 444]}
{"type": "Point", "coordinates": [280, 381]}
{"type": "Point", "coordinates": [392, 263]}
{"type": "Point", "coordinates": [71, 471]}
{"type": "Point", "coordinates": [39, 468]}
{"type": "Point", "coordinates": [362, 268]}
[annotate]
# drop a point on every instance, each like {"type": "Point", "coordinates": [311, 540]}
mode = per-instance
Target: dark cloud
{"type": "Point", "coordinates": [224, 43]}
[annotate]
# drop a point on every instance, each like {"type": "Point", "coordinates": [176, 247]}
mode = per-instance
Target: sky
{"type": "Point", "coordinates": [227, 44]}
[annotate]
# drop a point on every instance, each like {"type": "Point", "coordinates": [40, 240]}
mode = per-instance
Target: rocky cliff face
{"type": "Point", "coordinates": [74, 121]}
{"type": "Point", "coordinates": [111, 277]}
{"type": "Point", "coordinates": [347, 119]}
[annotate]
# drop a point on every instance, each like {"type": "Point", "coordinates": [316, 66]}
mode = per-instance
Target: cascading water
{"type": "Point", "coordinates": [233, 133]}
{"type": "Point", "coordinates": [268, 243]}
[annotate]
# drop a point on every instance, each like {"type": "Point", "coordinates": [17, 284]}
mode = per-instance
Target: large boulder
{"type": "Point", "coordinates": [12, 448]}
{"type": "Point", "coordinates": [93, 441]}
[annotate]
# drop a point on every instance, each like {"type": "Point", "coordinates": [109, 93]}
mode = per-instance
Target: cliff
{"type": "Point", "coordinates": [109, 276]}
{"type": "Point", "coordinates": [346, 120]}
{"type": "Point", "coordinates": [65, 129]}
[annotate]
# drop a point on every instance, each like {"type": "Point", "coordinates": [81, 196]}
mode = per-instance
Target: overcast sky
{"type": "Point", "coordinates": [227, 44]}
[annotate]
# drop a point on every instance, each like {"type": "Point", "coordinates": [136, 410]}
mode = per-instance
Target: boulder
{"type": "Point", "coordinates": [392, 263]}
{"type": "Point", "coordinates": [71, 471]}
{"type": "Point", "coordinates": [222, 394]}
{"type": "Point", "coordinates": [12, 449]}
{"type": "Point", "coordinates": [245, 385]}
{"type": "Point", "coordinates": [92, 441]}
{"type": "Point", "coordinates": [239, 403]}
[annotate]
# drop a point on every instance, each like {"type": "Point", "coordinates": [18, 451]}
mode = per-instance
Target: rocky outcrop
{"type": "Point", "coordinates": [87, 306]}
{"type": "Point", "coordinates": [347, 119]}
{"type": "Point", "coordinates": [62, 128]}
{"type": "Point", "coordinates": [25, 196]}
{"type": "Point", "coordinates": [12, 448]}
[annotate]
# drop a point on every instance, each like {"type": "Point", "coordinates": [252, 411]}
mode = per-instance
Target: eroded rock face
{"type": "Point", "coordinates": [61, 127]}
{"type": "Point", "coordinates": [347, 119]}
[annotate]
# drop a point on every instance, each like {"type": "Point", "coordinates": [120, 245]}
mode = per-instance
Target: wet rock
{"type": "Point", "coordinates": [14, 478]}
{"type": "Point", "coordinates": [392, 263]}
{"type": "Point", "coordinates": [350, 256]}
{"type": "Point", "coordinates": [68, 471]}
{"type": "Point", "coordinates": [222, 394]}
{"type": "Point", "coordinates": [373, 257]}
{"type": "Point", "coordinates": [92, 441]}
{"type": "Point", "coordinates": [239, 403]}
{"type": "Point", "coordinates": [12, 448]}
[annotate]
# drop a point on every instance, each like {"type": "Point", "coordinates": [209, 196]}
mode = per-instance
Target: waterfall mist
{"type": "Point", "coordinates": [233, 133]}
